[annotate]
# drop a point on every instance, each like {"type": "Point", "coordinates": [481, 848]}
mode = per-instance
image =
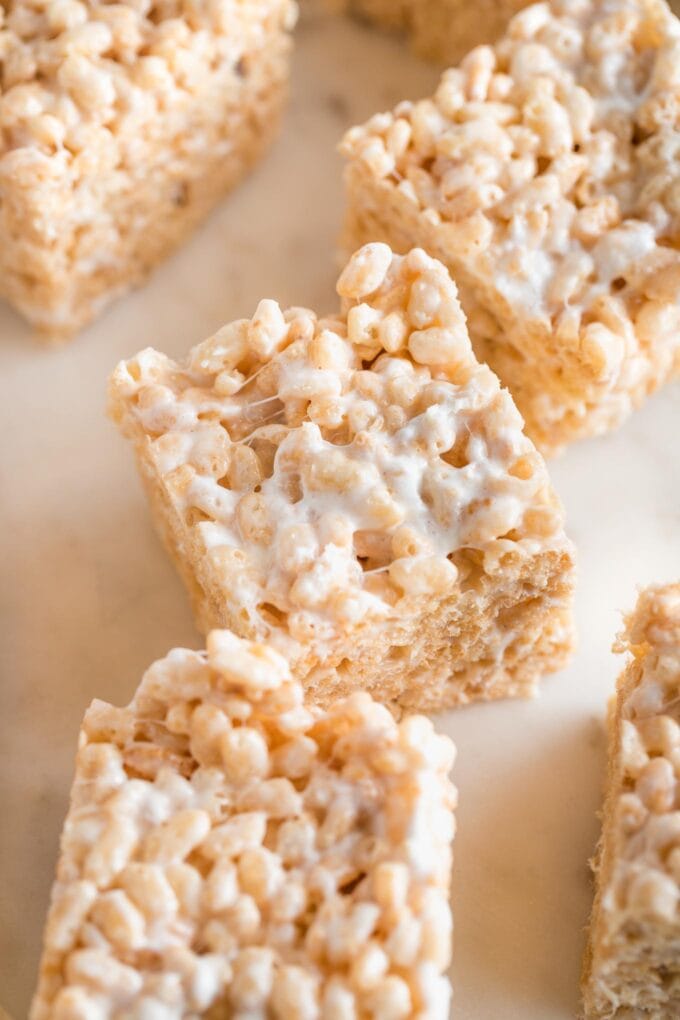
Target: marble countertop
{"type": "Point", "coordinates": [88, 598]}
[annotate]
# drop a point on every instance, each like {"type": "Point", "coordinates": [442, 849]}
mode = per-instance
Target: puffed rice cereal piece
{"type": "Point", "coordinates": [632, 965]}
{"type": "Point", "coordinates": [230, 851]}
{"type": "Point", "coordinates": [357, 491]}
{"type": "Point", "coordinates": [442, 30]}
{"type": "Point", "coordinates": [544, 172]}
{"type": "Point", "coordinates": [121, 125]}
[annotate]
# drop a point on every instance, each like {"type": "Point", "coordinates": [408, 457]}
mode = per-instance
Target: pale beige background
{"type": "Point", "coordinates": [87, 598]}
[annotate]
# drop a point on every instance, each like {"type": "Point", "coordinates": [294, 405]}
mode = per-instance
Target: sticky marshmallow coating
{"type": "Point", "coordinates": [232, 851]}
{"type": "Point", "coordinates": [544, 172]}
{"type": "Point", "coordinates": [633, 961]}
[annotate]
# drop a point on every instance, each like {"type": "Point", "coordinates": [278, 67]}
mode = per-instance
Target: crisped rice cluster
{"type": "Point", "coordinates": [110, 113]}
{"type": "Point", "coordinates": [634, 955]}
{"type": "Point", "coordinates": [322, 478]}
{"type": "Point", "coordinates": [230, 851]}
{"type": "Point", "coordinates": [70, 70]}
{"type": "Point", "coordinates": [544, 172]}
{"type": "Point", "coordinates": [442, 30]}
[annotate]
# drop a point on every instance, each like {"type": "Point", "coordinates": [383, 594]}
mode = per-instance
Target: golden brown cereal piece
{"type": "Point", "coordinates": [276, 860]}
{"type": "Point", "coordinates": [544, 173]}
{"type": "Point", "coordinates": [357, 491]}
{"type": "Point", "coordinates": [632, 966]}
{"type": "Point", "coordinates": [121, 125]}
{"type": "Point", "coordinates": [441, 30]}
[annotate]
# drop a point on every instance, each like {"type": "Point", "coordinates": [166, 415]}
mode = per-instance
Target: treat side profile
{"type": "Point", "coordinates": [358, 491]}
{"type": "Point", "coordinates": [440, 30]}
{"type": "Point", "coordinates": [632, 963]}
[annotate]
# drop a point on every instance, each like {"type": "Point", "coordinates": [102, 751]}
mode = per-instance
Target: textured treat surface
{"type": "Point", "coordinates": [110, 114]}
{"type": "Point", "coordinates": [544, 172]}
{"type": "Point", "coordinates": [230, 851]}
{"type": "Point", "coordinates": [633, 962]}
{"type": "Point", "coordinates": [341, 476]}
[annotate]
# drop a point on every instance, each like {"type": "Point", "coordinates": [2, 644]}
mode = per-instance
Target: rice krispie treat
{"type": "Point", "coordinates": [633, 962]}
{"type": "Point", "coordinates": [121, 124]}
{"type": "Point", "coordinates": [545, 173]}
{"type": "Point", "coordinates": [442, 30]}
{"type": "Point", "coordinates": [358, 491]}
{"type": "Point", "coordinates": [230, 852]}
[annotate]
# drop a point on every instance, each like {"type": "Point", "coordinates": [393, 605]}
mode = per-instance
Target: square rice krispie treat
{"type": "Point", "coordinates": [230, 852]}
{"type": "Point", "coordinates": [441, 30]}
{"type": "Point", "coordinates": [358, 491]}
{"type": "Point", "coordinates": [633, 961]}
{"type": "Point", "coordinates": [545, 173]}
{"type": "Point", "coordinates": [121, 124]}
